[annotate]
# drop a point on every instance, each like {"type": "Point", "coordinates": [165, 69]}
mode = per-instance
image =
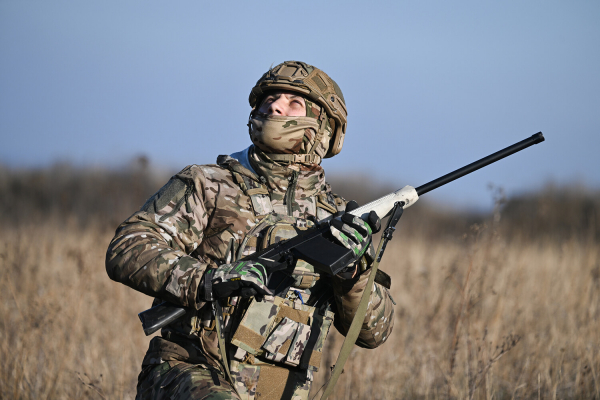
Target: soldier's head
{"type": "Point", "coordinates": [298, 110]}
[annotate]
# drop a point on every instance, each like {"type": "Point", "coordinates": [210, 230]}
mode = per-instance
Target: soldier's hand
{"type": "Point", "coordinates": [244, 278]}
{"type": "Point", "coordinates": [355, 234]}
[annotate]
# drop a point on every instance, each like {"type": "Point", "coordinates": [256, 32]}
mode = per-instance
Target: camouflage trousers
{"type": "Point", "coordinates": [179, 380]}
{"type": "Point", "coordinates": [182, 381]}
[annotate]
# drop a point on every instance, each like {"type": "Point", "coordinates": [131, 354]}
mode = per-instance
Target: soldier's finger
{"type": "Point", "coordinates": [337, 224]}
{"type": "Point", "coordinates": [247, 292]}
{"type": "Point", "coordinates": [374, 222]}
{"type": "Point", "coordinates": [261, 289]}
{"type": "Point", "coordinates": [351, 206]}
{"type": "Point", "coordinates": [346, 237]}
{"type": "Point", "coordinates": [356, 223]}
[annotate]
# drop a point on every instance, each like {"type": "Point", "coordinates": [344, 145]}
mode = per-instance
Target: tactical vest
{"type": "Point", "coordinates": [277, 345]}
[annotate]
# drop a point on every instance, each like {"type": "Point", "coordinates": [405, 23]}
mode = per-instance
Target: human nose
{"type": "Point", "coordinates": [277, 107]}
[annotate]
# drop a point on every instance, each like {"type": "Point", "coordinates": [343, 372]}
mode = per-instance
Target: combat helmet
{"type": "Point", "coordinates": [316, 86]}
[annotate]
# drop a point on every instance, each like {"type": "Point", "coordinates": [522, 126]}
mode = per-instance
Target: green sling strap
{"type": "Point", "coordinates": [354, 330]}
{"type": "Point", "coordinates": [222, 351]}
{"type": "Point", "coordinates": [359, 316]}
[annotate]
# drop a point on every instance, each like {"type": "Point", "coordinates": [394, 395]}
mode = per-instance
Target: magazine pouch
{"type": "Point", "coordinates": [283, 331]}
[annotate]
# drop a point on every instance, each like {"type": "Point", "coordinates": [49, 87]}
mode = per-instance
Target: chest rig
{"type": "Point", "coordinates": [281, 339]}
{"type": "Point", "coordinates": [275, 224]}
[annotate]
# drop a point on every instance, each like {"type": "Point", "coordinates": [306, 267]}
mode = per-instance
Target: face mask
{"type": "Point", "coordinates": [283, 135]}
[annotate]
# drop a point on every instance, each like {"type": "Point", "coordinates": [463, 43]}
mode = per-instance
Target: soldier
{"type": "Point", "coordinates": [183, 246]}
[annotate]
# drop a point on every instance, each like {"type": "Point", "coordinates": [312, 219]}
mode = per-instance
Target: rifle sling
{"type": "Point", "coordinates": [354, 330]}
{"type": "Point", "coordinates": [222, 350]}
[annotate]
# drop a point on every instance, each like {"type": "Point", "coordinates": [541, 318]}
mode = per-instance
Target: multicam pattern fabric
{"type": "Point", "coordinates": [314, 110]}
{"type": "Point", "coordinates": [178, 380]}
{"type": "Point", "coordinates": [281, 339]}
{"type": "Point", "coordinates": [268, 382]}
{"type": "Point", "coordinates": [282, 134]}
{"type": "Point", "coordinates": [292, 135]}
{"type": "Point", "coordinates": [278, 329]}
{"type": "Point", "coordinates": [200, 219]}
{"type": "Point", "coordinates": [298, 345]}
{"type": "Point", "coordinates": [380, 313]}
{"type": "Point", "coordinates": [245, 379]}
{"type": "Point", "coordinates": [293, 190]}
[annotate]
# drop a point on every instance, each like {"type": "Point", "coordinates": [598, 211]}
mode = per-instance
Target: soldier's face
{"type": "Point", "coordinates": [282, 103]}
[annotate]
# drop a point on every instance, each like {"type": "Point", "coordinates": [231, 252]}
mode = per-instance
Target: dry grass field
{"type": "Point", "coordinates": [499, 308]}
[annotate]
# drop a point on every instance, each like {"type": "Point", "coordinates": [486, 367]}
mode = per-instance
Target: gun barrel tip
{"type": "Point", "coordinates": [539, 137]}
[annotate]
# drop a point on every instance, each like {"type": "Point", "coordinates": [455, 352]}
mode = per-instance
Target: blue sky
{"type": "Point", "coordinates": [430, 85]}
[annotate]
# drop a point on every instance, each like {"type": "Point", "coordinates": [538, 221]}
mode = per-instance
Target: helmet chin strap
{"type": "Point", "coordinates": [322, 124]}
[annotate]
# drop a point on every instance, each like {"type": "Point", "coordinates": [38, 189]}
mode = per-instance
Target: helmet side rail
{"type": "Point", "coordinates": [318, 247]}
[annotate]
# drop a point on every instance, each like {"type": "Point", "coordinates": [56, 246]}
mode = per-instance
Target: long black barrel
{"type": "Point", "coordinates": [492, 158]}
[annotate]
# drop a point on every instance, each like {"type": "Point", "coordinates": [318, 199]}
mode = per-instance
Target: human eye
{"type": "Point", "coordinates": [298, 102]}
{"type": "Point", "coordinates": [265, 104]}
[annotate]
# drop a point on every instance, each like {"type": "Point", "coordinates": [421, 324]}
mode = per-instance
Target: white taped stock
{"type": "Point", "coordinates": [383, 205]}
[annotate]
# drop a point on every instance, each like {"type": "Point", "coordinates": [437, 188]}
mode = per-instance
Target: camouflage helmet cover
{"type": "Point", "coordinates": [316, 86]}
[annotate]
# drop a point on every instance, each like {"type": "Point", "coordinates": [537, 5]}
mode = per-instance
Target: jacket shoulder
{"type": "Point", "coordinates": [204, 171]}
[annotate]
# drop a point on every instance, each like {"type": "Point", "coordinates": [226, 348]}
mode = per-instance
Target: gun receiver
{"type": "Point", "coordinates": [318, 248]}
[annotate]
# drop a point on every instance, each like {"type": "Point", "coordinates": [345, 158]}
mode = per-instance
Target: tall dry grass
{"type": "Point", "coordinates": [492, 311]}
{"type": "Point", "coordinates": [67, 332]}
{"type": "Point", "coordinates": [486, 320]}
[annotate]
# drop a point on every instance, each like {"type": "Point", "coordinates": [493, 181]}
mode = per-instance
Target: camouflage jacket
{"type": "Point", "coordinates": [204, 217]}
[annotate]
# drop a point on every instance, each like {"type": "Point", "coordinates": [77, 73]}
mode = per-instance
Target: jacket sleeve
{"type": "Point", "coordinates": [379, 320]}
{"type": "Point", "coordinates": [150, 250]}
